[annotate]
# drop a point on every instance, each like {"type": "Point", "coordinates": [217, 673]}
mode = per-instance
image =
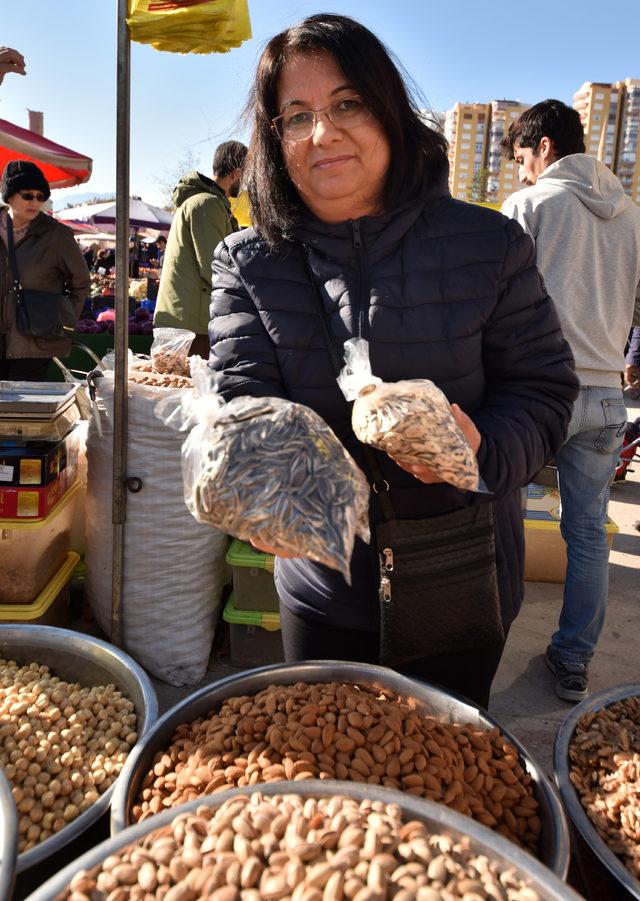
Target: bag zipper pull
{"type": "Point", "coordinates": [387, 559]}
{"type": "Point", "coordinates": [385, 590]}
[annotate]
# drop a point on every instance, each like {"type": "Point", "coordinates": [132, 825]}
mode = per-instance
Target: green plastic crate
{"type": "Point", "coordinates": [255, 636]}
{"type": "Point", "coordinates": [252, 576]}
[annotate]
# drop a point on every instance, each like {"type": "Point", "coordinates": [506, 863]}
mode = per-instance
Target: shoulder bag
{"type": "Point", "coordinates": [438, 582]}
{"type": "Point", "coordinates": [40, 314]}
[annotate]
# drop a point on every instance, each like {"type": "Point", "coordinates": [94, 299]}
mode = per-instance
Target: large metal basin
{"type": "Point", "coordinates": [436, 817]}
{"type": "Point", "coordinates": [79, 658]}
{"type": "Point", "coordinates": [427, 698]}
{"type": "Point", "coordinates": [570, 796]}
{"type": "Point", "coordinates": [8, 838]}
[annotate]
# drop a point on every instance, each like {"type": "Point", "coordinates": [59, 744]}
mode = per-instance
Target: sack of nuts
{"type": "Point", "coordinates": [410, 420]}
{"type": "Point", "coordinates": [170, 351]}
{"type": "Point", "coordinates": [271, 471]}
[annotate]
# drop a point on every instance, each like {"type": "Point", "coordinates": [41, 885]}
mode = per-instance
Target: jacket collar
{"type": "Point", "coordinates": [380, 234]}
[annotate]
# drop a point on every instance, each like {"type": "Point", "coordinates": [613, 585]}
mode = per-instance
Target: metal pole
{"type": "Point", "coordinates": [122, 319]}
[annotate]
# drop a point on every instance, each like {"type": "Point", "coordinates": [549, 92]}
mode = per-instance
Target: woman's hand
{"type": "Point", "coordinates": [265, 549]}
{"type": "Point", "coordinates": [470, 432]}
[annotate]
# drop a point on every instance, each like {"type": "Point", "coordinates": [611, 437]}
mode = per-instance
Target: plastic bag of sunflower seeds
{"type": "Point", "coordinates": [268, 470]}
{"type": "Point", "coordinates": [411, 420]}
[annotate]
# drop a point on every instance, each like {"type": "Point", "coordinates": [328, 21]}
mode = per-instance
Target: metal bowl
{"type": "Point", "coordinates": [8, 838]}
{"type": "Point", "coordinates": [79, 658]}
{"type": "Point", "coordinates": [427, 698]}
{"type": "Point", "coordinates": [571, 797]}
{"type": "Point", "coordinates": [436, 817]}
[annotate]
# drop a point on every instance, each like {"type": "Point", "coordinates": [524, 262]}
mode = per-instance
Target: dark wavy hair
{"type": "Point", "coordinates": [419, 153]}
{"type": "Point", "coordinates": [551, 119]}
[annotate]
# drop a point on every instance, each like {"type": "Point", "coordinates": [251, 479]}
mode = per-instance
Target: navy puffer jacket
{"type": "Point", "coordinates": [442, 290]}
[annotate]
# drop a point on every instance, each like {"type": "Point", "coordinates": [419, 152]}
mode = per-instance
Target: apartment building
{"type": "Point", "coordinates": [503, 174]}
{"type": "Point", "coordinates": [627, 166]}
{"type": "Point", "coordinates": [466, 129]}
{"type": "Point", "coordinates": [599, 105]}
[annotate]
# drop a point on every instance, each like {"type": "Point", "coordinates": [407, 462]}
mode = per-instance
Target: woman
{"type": "Point", "coordinates": [348, 187]}
{"type": "Point", "coordinates": [48, 259]}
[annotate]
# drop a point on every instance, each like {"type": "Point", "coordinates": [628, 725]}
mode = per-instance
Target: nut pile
{"type": "Point", "coordinates": [300, 849]}
{"type": "Point", "coordinates": [412, 422]}
{"type": "Point", "coordinates": [145, 374]}
{"type": "Point", "coordinates": [61, 745]}
{"type": "Point", "coordinates": [337, 731]}
{"type": "Point", "coordinates": [172, 362]}
{"type": "Point", "coordinates": [272, 471]}
{"type": "Point", "coordinates": [605, 770]}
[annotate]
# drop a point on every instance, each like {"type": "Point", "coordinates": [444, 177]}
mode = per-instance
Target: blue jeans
{"type": "Point", "coordinates": [586, 464]}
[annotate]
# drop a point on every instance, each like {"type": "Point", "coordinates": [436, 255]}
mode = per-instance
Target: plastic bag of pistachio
{"type": "Point", "coordinates": [271, 471]}
{"type": "Point", "coordinates": [411, 420]}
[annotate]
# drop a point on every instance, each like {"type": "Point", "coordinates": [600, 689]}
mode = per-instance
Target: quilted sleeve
{"type": "Point", "coordinates": [530, 374]}
{"type": "Point", "coordinates": [241, 350]}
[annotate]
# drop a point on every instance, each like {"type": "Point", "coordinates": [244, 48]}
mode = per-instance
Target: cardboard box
{"type": "Point", "coordinates": [541, 502]}
{"type": "Point", "coordinates": [35, 503]}
{"type": "Point", "coordinates": [545, 551]}
{"type": "Point", "coordinates": [36, 463]}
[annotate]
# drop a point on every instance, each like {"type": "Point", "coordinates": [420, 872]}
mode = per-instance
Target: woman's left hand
{"type": "Point", "coordinates": [470, 432]}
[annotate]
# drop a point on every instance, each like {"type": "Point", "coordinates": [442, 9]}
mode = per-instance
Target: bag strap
{"type": "Point", "coordinates": [379, 485]}
{"type": "Point", "coordinates": [12, 257]}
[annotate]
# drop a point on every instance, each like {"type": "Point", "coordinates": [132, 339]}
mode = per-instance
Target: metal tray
{"type": "Point", "coordinates": [8, 838]}
{"type": "Point", "coordinates": [571, 797]}
{"type": "Point", "coordinates": [84, 659]}
{"type": "Point", "coordinates": [436, 817]}
{"type": "Point", "coordinates": [448, 707]}
{"type": "Point", "coordinates": [41, 399]}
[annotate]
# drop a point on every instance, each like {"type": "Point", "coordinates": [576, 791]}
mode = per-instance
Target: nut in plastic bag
{"type": "Point", "coordinates": [170, 351]}
{"type": "Point", "coordinates": [271, 471]}
{"type": "Point", "coordinates": [411, 420]}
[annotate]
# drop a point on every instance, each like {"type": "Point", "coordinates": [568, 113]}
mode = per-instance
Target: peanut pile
{"type": "Point", "coordinates": [337, 731]}
{"type": "Point", "coordinates": [298, 849]}
{"type": "Point", "coordinates": [171, 362]}
{"type": "Point", "coordinates": [145, 374]}
{"type": "Point", "coordinates": [61, 746]}
{"type": "Point", "coordinates": [605, 770]}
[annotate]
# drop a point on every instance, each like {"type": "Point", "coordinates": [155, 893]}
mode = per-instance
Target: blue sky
{"type": "Point", "coordinates": [454, 50]}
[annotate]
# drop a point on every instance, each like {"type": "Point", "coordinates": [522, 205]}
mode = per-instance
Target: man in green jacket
{"type": "Point", "coordinates": [203, 218]}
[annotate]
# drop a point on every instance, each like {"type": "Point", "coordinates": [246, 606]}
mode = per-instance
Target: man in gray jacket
{"type": "Point", "coordinates": [587, 235]}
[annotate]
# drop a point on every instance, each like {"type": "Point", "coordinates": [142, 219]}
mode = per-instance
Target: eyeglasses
{"type": "Point", "coordinates": [298, 125]}
{"type": "Point", "coordinates": [32, 195]}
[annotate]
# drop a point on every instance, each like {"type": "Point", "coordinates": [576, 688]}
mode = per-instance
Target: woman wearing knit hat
{"type": "Point", "coordinates": [47, 259]}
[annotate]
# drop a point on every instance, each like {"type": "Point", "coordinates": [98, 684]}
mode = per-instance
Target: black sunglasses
{"type": "Point", "coordinates": [32, 195]}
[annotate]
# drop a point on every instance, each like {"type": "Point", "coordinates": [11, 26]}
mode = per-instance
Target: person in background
{"type": "Point", "coordinates": [587, 235]}
{"type": "Point", "coordinates": [161, 246]}
{"type": "Point", "coordinates": [48, 259]}
{"type": "Point", "coordinates": [105, 259]}
{"type": "Point", "coordinates": [11, 61]}
{"type": "Point", "coordinates": [632, 361]}
{"type": "Point", "coordinates": [202, 219]}
{"type": "Point", "coordinates": [348, 192]}
{"type": "Point", "coordinates": [89, 255]}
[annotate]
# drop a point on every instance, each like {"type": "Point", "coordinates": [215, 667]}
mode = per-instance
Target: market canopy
{"type": "Point", "coordinates": [141, 215]}
{"type": "Point", "coordinates": [62, 167]}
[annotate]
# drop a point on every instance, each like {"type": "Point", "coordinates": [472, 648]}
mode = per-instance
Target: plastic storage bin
{"type": "Point", "coordinates": [252, 574]}
{"type": "Point", "coordinates": [50, 607]}
{"type": "Point", "coordinates": [255, 636]}
{"type": "Point", "coordinates": [31, 551]}
{"type": "Point", "coordinates": [545, 557]}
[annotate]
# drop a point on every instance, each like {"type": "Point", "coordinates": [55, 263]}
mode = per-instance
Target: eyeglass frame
{"type": "Point", "coordinates": [315, 112]}
{"type": "Point", "coordinates": [32, 195]}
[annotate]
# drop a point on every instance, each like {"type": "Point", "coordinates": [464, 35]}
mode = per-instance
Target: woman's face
{"type": "Point", "coordinates": [25, 204]}
{"type": "Point", "coordinates": [338, 172]}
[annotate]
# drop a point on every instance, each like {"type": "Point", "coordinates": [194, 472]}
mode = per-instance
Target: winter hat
{"type": "Point", "coordinates": [22, 175]}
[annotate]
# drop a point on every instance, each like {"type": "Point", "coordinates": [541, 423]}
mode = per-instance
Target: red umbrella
{"type": "Point", "coordinates": [62, 167]}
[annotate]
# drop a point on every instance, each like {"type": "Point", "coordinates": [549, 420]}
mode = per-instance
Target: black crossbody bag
{"type": "Point", "coordinates": [438, 581]}
{"type": "Point", "coordinates": [40, 314]}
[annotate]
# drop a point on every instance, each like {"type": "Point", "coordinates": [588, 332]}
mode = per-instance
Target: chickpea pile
{"type": "Point", "coordinates": [62, 745]}
{"type": "Point", "coordinates": [348, 732]}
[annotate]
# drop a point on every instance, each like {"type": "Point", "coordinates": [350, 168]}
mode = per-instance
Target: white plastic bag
{"type": "Point", "coordinates": [411, 420]}
{"type": "Point", "coordinates": [271, 471]}
{"type": "Point", "coordinates": [170, 350]}
{"type": "Point", "coordinates": [173, 566]}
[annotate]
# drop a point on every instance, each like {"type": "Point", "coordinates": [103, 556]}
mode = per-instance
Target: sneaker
{"type": "Point", "coordinates": [572, 679]}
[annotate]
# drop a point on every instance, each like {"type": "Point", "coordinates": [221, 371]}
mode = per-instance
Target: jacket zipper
{"type": "Point", "coordinates": [421, 546]}
{"type": "Point", "coordinates": [363, 287]}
